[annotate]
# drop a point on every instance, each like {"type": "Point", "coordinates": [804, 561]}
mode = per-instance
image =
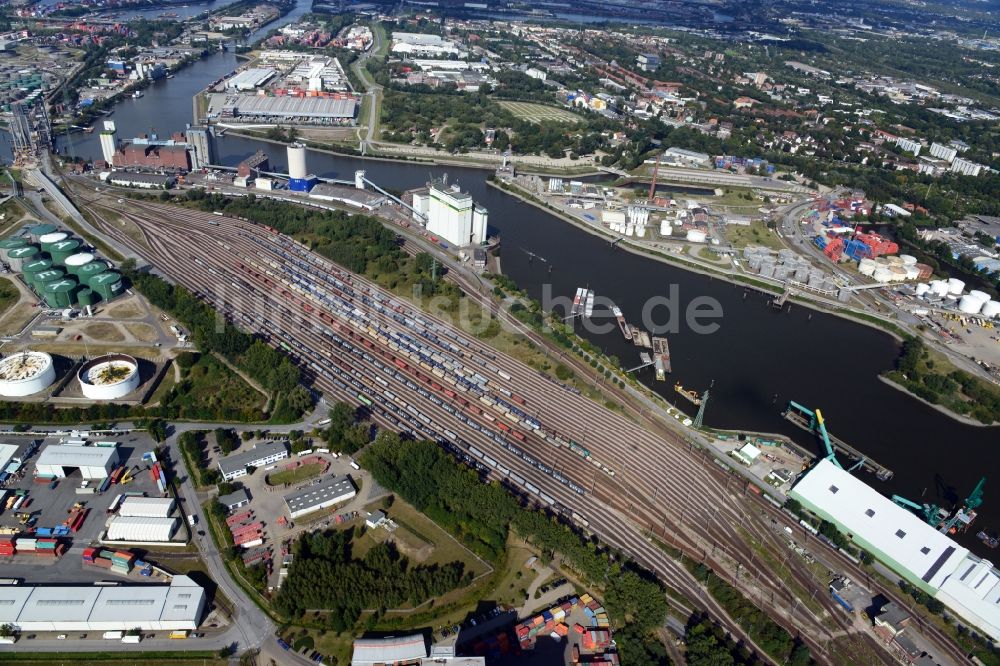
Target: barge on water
{"type": "Point", "coordinates": [661, 358]}
{"type": "Point", "coordinates": [625, 328]}
{"type": "Point", "coordinates": [688, 394]}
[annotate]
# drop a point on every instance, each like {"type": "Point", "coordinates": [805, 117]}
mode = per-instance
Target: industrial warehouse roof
{"type": "Point", "coordinates": [243, 459]}
{"type": "Point", "coordinates": [388, 650]}
{"type": "Point", "coordinates": [148, 507]}
{"type": "Point", "coordinates": [897, 533]}
{"type": "Point", "coordinates": [314, 495]}
{"type": "Point", "coordinates": [77, 456]}
{"type": "Point", "coordinates": [290, 107]}
{"type": "Point", "coordinates": [126, 605]}
{"type": "Point", "coordinates": [136, 177]}
{"type": "Point", "coordinates": [913, 548]}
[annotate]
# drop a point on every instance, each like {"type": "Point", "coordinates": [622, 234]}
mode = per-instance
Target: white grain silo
{"type": "Point", "coordinates": [297, 162]}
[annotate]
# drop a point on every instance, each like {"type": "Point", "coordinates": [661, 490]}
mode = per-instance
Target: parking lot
{"type": "Point", "coordinates": [49, 507]}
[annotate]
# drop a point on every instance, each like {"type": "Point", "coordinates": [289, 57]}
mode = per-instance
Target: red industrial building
{"type": "Point", "coordinates": [153, 156]}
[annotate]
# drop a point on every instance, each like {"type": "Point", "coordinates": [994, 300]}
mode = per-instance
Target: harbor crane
{"type": "Point", "coordinates": [816, 424]}
{"type": "Point", "coordinates": [934, 515]}
{"type": "Point", "coordinates": [813, 421]}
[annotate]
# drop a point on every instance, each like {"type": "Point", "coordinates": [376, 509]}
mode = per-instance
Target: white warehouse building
{"type": "Point", "coordinates": [94, 462]}
{"type": "Point", "coordinates": [139, 529]}
{"type": "Point", "coordinates": [452, 214]}
{"type": "Point", "coordinates": [333, 490]}
{"type": "Point", "coordinates": [147, 507]}
{"type": "Point", "coordinates": [235, 465]}
{"type": "Point", "coordinates": [933, 562]}
{"type": "Point", "coordinates": [178, 606]}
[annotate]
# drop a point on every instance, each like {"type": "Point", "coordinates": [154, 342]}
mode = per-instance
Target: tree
{"type": "Point", "coordinates": [157, 430]}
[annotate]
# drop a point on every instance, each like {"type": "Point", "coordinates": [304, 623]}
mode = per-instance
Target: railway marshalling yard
{"type": "Point", "coordinates": [417, 373]}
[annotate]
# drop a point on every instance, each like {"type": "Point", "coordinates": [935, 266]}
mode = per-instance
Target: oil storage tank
{"type": "Point", "coordinates": [970, 304]}
{"type": "Point", "coordinates": [63, 250]}
{"type": "Point", "coordinates": [109, 377]}
{"type": "Point", "coordinates": [88, 271]}
{"type": "Point", "coordinates": [75, 262]}
{"type": "Point", "coordinates": [47, 276]}
{"type": "Point", "coordinates": [60, 293]}
{"type": "Point", "coordinates": [991, 309]}
{"type": "Point", "coordinates": [47, 240]}
{"type": "Point", "coordinates": [33, 268]}
{"type": "Point", "coordinates": [86, 297]}
{"type": "Point", "coordinates": [36, 232]}
{"type": "Point", "coordinates": [955, 286]}
{"type": "Point", "coordinates": [107, 285]}
{"type": "Point", "coordinates": [26, 373]}
{"type": "Point", "coordinates": [8, 244]}
{"type": "Point", "coordinates": [20, 256]}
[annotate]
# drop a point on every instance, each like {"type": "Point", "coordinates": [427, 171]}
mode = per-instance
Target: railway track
{"type": "Point", "coordinates": [228, 274]}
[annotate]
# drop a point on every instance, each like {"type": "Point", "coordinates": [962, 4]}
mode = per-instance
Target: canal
{"type": "Point", "coordinates": [756, 361]}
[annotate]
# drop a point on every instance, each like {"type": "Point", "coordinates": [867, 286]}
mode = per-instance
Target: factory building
{"type": "Point", "coordinates": [408, 649]}
{"type": "Point", "coordinates": [94, 462]}
{"type": "Point", "coordinates": [152, 156]}
{"type": "Point", "coordinates": [235, 465]}
{"type": "Point", "coordinates": [141, 529]}
{"type": "Point", "coordinates": [145, 181]}
{"type": "Point", "coordinates": [178, 606]}
{"type": "Point", "coordinates": [452, 214]}
{"type": "Point", "coordinates": [914, 549]}
{"type": "Point", "coordinates": [329, 492]}
{"type": "Point", "coordinates": [147, 507]}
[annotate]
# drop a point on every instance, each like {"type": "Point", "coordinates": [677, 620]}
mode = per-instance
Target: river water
{"type": "Point", "coordinates": [758, 358]}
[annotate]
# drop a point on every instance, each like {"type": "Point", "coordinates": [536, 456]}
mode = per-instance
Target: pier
{"type": "Point", "coordinates": [881, 472]}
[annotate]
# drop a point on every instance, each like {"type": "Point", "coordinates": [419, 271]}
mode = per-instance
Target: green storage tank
{"type": "Point", "coordinates": [49, 239]}
{"type": "Point", "coordinates": [61, 293]}
{"type": "Point", "coordinates": [64, 249]}
{"type": "Point", "coordinates": [107, 285]}
{"type": "Point", "coordinates": [31, 269]}
{"type": "Point", "coordinates": [20, 256]}
{"type": "Point", "coordinates": [40, 230]}
{"type": "Point", "coordinates": [8, 244]}
{"type": "Point", "coordinates": [86, 297]}
{"type": "Point", "coordinates": [88, 271]}
{"type": "Point", "coordinates": [43, 278]}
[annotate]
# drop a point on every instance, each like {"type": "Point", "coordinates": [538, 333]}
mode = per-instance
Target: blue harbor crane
{"type": "Point", "coordinates": [813, 421]}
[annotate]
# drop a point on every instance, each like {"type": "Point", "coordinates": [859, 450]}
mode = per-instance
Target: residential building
{"type": "Point", "coordinates": [946, 153]}
{"type": "Point", "coordinates": [909, 145]}
{"type": "Point", "coordinates": [648, 62]}
{"type": "Point", "coordinates": [966, 167]}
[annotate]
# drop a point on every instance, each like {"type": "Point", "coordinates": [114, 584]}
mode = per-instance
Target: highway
{"type": "Point", "coordinates": [608, 474]}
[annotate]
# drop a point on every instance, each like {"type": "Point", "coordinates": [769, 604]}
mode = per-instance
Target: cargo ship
{"type": "Point", "coordinates": [580, 291]}
{"type": "Point", "coordinates": [626, 331]}
{"type": "Point", "coordinates": [589, 310]}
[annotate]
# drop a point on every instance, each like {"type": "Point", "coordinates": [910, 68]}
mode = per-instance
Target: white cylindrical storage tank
{"type": "Point", "coordinates": [26, 373]}
{"type": "Point", "coordinates": [991, 309]}
{"type": "Point", "coordinates": [75, 262]}
{"type": "Point", "coordinates": [882, 274]}
{"type": "Point", "coordinates": [866, 266]}
{"type": "Point", "coordinates": [136, 529]}
{"type": "Point", "coordinates": [970, 304]}
{"type": "Point", "coordinates": [898, 273]}
{"type": "Point", "coordinates": [923, 288]}
{"type": "Point", "coordinates": [894, 261]}
{"type": "Point", "coordinates": [908, 259]}
{"type": "Point", "coordinates": [696, 236]}
{"type": "Point", "coordinates": [297, 161]}
{"type": "Point", "coordinates": [940, 287]}
{"type": "Point", "coordinates": [912, 272]}
{"type": "Point", "coordinates": [955, 286]}
{"type": "Point", "coordinates": [53, 237]}
{"type": "Point", "coordinates": [981, 295]}
{"type": "Point", "coordinates": [109, 377]}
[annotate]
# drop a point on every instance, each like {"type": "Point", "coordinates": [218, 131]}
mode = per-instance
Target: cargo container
{"type": "Point", "coordinates": [113, 635]}
{"type": "Point", "coordinates": [131, 638]}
